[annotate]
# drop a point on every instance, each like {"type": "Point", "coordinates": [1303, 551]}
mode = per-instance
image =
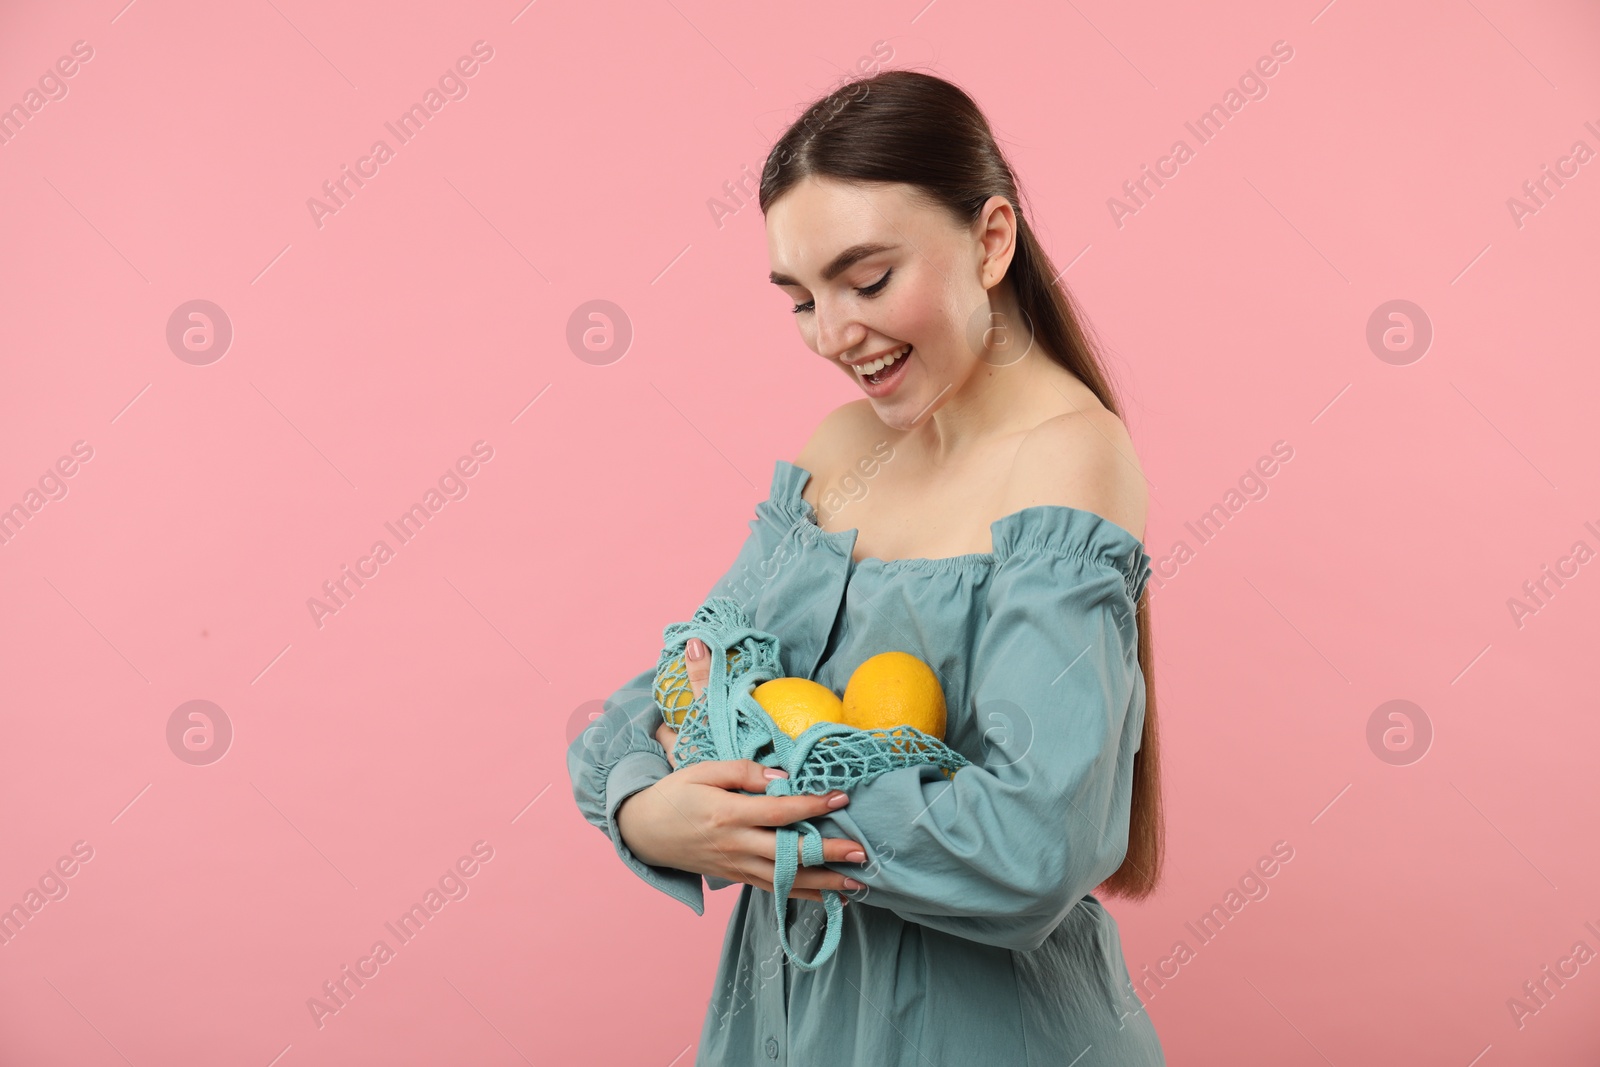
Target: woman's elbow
{"type": "Point", "coordinates": [1066, 882]}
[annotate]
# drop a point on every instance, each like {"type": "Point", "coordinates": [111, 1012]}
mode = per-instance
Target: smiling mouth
{"type": "Point", "coordinates": [879, 369]}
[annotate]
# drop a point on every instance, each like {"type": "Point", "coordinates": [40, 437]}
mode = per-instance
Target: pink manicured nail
{"type": "Point", "coordinates": [775, 772]}
{"type": "Point", "coordinates": [851, 883]}
{"type": "Point", "coordinates": [696, 649]}
{"type": "Point", "coordinates": [838, 801]}
{"type": "Point", "coordinates": [855, 857]}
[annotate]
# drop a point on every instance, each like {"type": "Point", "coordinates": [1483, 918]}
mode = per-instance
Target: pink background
{"type": "Point", "coordinates": [431, 312]}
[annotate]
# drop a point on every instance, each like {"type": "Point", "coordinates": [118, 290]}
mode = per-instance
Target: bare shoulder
{"type": "Point", "coordinates": [1082, 460]}
{"type": "Point", "coordinates": [838, 434]}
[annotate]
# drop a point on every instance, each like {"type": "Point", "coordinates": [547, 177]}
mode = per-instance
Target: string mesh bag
{"type": "Point", "coordinates": [726, 722]}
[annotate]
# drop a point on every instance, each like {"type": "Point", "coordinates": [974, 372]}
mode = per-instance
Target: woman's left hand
{"type": "Point", "coordinates": [697, 660]}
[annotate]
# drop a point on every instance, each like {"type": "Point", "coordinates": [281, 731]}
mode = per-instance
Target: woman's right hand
{"type": "Point", "coordinates": [695, 820]}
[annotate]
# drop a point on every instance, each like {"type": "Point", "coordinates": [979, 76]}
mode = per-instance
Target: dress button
{"type": "Point", "coordinates": [772, 1048]}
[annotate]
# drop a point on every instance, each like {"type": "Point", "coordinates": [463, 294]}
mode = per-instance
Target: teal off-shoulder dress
{"type": "Point", "coordinates": [977, 938]}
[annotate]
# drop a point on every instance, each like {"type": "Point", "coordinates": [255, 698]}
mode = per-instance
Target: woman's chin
{"type": "Point", "coordinates": [902, 411]}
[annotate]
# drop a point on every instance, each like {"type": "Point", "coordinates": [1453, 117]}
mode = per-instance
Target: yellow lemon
{"type": "Point", "coordinates": [673, 692]}
{"type": "Point", "coordinates": [895, 689]}
{"type": "Point", "coordinates": [797, 703]}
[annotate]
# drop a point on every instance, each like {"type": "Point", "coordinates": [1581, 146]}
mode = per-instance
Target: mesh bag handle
{"type": "Point", "coordinates": [727, 722]}
{"type": "Point", "coordinates": [809, 842]}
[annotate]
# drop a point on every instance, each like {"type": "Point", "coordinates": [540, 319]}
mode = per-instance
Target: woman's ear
{"type": "Point", "coordinates": [997, 233]}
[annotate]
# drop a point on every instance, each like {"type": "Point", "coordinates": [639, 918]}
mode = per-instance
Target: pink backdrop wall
{"type": "Point", "coordinates": [215, 487]}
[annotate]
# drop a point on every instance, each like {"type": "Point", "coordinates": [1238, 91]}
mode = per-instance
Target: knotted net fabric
{"type": "Point", "coordinates": [727, 722]}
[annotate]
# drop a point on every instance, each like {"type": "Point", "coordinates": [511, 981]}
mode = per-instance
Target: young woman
{"type": "Point", "coordinates": [982, 508]}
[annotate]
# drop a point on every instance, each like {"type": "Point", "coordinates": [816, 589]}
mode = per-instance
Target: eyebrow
{"type": "Point", "coordinates": [841, 262]}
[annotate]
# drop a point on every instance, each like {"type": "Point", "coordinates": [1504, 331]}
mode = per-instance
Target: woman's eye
{"type": "Point", "coordinates": [870, 291]}
{"type": "Point", "coordinates": [876, 287]}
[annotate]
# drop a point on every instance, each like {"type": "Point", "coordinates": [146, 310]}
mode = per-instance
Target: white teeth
{"type": "Point", "coordinates": [878, 364]}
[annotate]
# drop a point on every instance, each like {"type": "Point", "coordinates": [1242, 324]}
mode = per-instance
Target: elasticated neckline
{"type": "Point", "coordinates": [1041, 529]}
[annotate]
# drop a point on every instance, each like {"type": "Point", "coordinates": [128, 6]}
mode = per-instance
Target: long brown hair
{"type": "Point", "coordinates": [908, 127]}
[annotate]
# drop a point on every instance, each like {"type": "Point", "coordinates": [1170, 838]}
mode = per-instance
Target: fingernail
{"type": "Point", "coordinates": [838, 800]}
{"type": "Point", "coordinates": [851, 883]}
{"type": "Point", "coordinates": [855, 857]}
{"type": "Point", "coordinates": [775, 772]}
{"type": "Point", "coordinates": [696, 650]}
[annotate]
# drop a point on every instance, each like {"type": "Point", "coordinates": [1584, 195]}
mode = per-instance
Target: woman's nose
{"type": "Point", "coordinates": [836, 335]}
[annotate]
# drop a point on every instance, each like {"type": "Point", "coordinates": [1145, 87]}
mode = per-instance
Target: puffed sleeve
{"type": "Point", "coordinates": [617, 754]}
{"type": "Point", "coordinates": [1000, 853]}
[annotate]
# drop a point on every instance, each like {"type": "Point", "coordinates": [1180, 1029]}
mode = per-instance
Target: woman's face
{"type": "Point", "coordinates": [872, 270]}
